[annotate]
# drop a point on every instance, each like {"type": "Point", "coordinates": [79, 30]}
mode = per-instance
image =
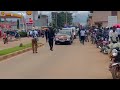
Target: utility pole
{"type": "Point", "coordinates": [56, 19]}
{"type": "Point", "coordinates": [23, 20]}
{"type": "Point", "coordinates": [66, 17]}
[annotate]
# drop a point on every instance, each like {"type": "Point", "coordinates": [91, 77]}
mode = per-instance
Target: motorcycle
{"type": "Point", "coordinates": [115, 63]}
{"type": "Point", "coordinates": [99, 43]}
{"type": "Point", "coordinates": [105, 47]}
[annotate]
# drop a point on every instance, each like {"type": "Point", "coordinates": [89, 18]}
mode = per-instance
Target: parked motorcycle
{"type": "Point", "coordinates": [105, 48]}
{"type": "Point", "coordinates": [99, 43]}
{"type": "Point", "coordinates": [115, 63]}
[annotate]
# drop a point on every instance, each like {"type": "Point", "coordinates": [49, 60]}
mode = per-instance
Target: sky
{"type": "Point", "coordinates": [78, 16]}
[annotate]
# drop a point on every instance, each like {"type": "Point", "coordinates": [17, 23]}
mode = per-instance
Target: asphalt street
{"type": "Point", "coordinates": [74, 61]}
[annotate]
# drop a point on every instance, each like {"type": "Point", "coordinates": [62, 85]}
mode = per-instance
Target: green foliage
{"type": "Point", "coordinates": [14, 49]}
{"type": "Point", "coordinates": [61, 19]}
{"type": "Point", "coordinates": [23, 34]}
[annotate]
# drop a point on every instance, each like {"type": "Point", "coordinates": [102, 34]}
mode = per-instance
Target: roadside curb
{"type": "Point", "coordinates": [17, 53]}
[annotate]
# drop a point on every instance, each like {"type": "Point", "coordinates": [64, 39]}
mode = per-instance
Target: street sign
{"type": "Point", "coordinates": [112, 20]}
{"type": "Point", "coordinates": [29, 17]}
{"type": "Point", "coordinates": [2, 13]}
{"type": "Point", "coordinates": [29, 12]}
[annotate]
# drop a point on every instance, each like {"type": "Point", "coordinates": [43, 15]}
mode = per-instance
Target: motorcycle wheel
{"type": "Point", "coordinates": [114, 72]}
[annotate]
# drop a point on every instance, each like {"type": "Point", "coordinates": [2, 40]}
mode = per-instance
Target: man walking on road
{"type": "Point", "coordinates": [34, 41]}
{"type": "Point", "coordinates": [46, 34]}
{"type": "Point", "coordinates": [51, 36]}
{"type": "Point", "coordinates": [114, 35]}
{"type": "Point", "coordinates": [82, 33]}
{"type": "Point", "coordinates": [118, 31]}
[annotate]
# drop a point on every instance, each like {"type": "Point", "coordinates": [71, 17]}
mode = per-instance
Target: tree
{"type": "Point", "coordinates": [61, 19]}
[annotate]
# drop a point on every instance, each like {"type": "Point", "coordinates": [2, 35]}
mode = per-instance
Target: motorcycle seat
{"type": "Point", "coordinates": [116, 64]}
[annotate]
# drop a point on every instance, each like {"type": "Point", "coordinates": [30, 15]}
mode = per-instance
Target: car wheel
{"type": "Point", "coordinates": [70, 43]}
{"type": "Point", "coordinates": [56, 43]}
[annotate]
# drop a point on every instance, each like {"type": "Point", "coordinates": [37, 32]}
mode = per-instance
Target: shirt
{"type": "Point", "coordinates": [82, 32]}
{"type": "Point", "coordinates": [34, 34]}
{"type": "Point", "coordinates": [118, 31]}
{"type": "Point", "coordinates": [114, 35]}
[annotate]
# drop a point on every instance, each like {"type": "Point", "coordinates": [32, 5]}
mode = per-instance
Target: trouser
{"type": "Point", "coordinates": [82, 39]}
{"type": "Point", "coordinates": [79, 37]}
{"type": "Point", "coordinates": [119, 37]}
{"type": "Point", "coordinates": [5, 40]}
{"type": "Point", "coordinates": [87, 39]}
{"type": "Point", "coordinates": [51, 44]}
{"type": "Point", "coordinates": [34, 45]}
{"type": "Point", "coordinates": [46, 37]}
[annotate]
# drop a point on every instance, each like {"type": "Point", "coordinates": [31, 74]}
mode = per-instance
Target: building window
{"type": "Point", "coordinates": [91, 11]}
{"type": "Point", "coordinates": [114, 13]}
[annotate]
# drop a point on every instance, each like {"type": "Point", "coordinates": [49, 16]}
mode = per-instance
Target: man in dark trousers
{"type": "Point", "coordinates": [46, 34]}
{"type": "Point", "coordinates": [51, 35]}
{"type": "Point", "coordinates": [79, 34]}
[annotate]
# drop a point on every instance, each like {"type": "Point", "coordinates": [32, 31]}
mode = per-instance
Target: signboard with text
{"type": "Point", "coordinates": [112, 20]}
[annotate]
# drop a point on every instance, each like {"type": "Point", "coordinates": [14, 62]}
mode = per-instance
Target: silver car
{"type": "Point", "coordinates": [64, 36]}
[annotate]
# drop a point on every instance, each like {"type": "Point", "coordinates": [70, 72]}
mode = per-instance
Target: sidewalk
{"type": "Point", "coordinates": [16, 43]}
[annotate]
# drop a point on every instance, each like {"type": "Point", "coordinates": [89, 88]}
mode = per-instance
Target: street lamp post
{"type": "Point", "coordinates": [66, 17]}
{"type": "Point", "coordinates": [23, 20]}
{"type": "Point", "coordinates": [56, 19]}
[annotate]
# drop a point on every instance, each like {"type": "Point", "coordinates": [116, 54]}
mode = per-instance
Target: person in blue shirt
{"type": "Point", "coordinates": [34, 41]}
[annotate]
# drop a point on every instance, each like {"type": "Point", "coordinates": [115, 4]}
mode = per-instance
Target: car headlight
{"type": "Point", "coordinates": [68, 39]}
{"type": "Point", "coordinates": [56, 39]}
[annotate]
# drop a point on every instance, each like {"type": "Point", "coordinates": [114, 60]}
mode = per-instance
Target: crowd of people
{"type": "Point", "coordinates": [99, 35]}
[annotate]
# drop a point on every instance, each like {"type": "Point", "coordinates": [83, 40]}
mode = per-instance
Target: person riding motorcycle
{"type": "Point", "coordinates": [99, 37]}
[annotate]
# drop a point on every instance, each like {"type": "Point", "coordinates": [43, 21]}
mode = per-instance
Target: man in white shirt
{"type": "Point", "coordinates": [118, 31]}
{"type": "Point", "coordinates": [114, 35]}
{"type": "Point", "coordinates": [110, 31]}
{"type": "Point", "coordinates": [82, 34]}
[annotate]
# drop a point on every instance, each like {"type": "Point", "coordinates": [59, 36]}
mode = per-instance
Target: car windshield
{"type": "Point", "coordinates": [65, 32]}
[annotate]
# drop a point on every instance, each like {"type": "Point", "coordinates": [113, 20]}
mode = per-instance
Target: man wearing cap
{"type": "Point", "coordinates": [34, 41]}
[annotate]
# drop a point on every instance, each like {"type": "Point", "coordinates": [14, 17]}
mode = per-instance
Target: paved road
{"type": "Point", "coordinates": [65, 62]}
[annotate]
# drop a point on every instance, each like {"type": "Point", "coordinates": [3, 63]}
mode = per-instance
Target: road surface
{"type": "Point", "coordinates": [65, 62]}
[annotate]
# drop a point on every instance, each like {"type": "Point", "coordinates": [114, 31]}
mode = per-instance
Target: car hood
{"type": "Point", "coordinates": [63, 35]}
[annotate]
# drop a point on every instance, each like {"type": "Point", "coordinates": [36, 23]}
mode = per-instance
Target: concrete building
{"type": "Point", "coordinates": [102, 17]}
{"type": "Point", "coordinates": [118, 16]}
{"type": "Point", "coordinates": [42, 21]}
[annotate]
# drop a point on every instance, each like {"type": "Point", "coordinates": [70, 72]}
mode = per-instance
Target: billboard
{"type": "Point", "coordinates": [112, 20]}
{"type": "Point", "coordinates": [29, 17]}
